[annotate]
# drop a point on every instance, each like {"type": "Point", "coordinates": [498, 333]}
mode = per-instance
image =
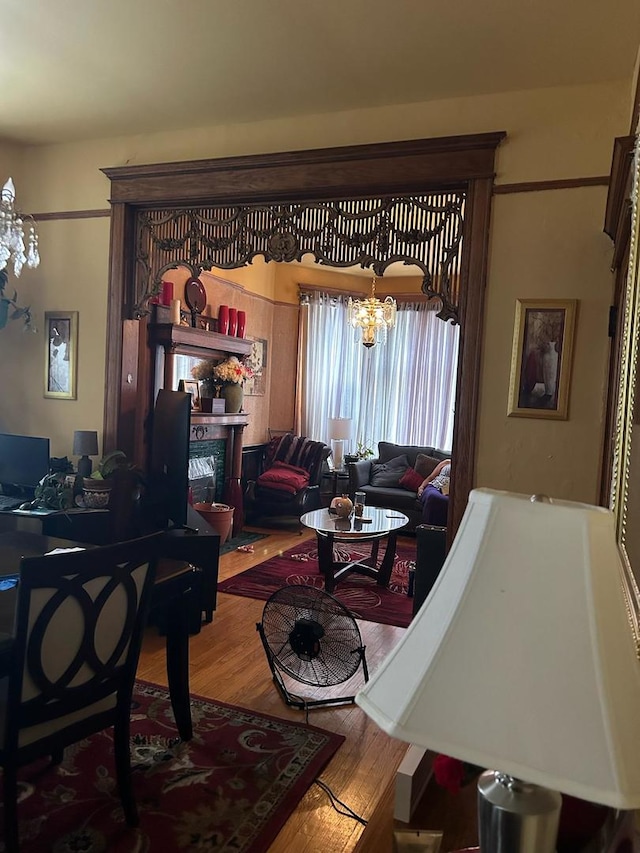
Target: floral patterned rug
{"type": "Point", "coordinates": [231, 788]}
{"type": "Point", "coordinates": [360, 594]}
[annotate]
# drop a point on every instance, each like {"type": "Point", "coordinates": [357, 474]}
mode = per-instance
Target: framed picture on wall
{"type": "Point", "coordinates": [541, 358]}
{"type": "Point", "coordinates": [257, 361]}
{"type": "Point", "coordinates": [60, 355]}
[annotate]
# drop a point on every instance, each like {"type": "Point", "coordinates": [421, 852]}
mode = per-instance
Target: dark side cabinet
{"type": "Point", "coordinates": [431, 550]}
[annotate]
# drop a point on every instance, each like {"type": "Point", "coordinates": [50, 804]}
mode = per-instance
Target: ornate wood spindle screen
{"type": "Point", "coordinates": [422, 230]}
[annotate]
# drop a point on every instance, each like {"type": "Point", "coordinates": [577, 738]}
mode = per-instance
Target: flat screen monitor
{"type": "Point", "coordinates": [24, 461]}
{"type": "Point", "coordinates": [169, 470]}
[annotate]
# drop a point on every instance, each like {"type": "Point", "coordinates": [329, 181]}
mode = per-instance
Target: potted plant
{"type": "Point", "coordinates": [362, 451]}
{"type": "Point", "coordinates": [96, 489]}
{"type": "Point", "coordinates": [203, 372]}
{"type": "Point", "coordinates": [54, 491]}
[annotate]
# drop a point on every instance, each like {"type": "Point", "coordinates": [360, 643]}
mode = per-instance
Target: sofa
{"type": "Point", "coordinates": [392, 478]}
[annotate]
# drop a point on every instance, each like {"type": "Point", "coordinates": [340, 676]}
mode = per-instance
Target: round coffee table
{"type": "Point", "coordinates": [376, 524]}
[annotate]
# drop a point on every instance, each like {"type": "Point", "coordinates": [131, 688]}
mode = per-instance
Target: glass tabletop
{"type": "Point", "coordinates": [376, 521]}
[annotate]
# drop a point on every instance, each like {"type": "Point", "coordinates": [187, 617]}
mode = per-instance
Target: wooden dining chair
{"type": "Point", "coordinates": [79, 622]}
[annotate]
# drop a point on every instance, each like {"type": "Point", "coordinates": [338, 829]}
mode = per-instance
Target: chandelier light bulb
{"type": "Point", "coordinates": [371, 318]}
{"type": "Point", "coordinates": [12, 237]}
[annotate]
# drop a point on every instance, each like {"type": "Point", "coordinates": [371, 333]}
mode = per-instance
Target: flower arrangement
{"type": "Point", "coordinates": [203, 370]}
{"type": "Point", "coordinates": [232, 371]}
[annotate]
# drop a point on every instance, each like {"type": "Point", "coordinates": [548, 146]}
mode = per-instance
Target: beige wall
{"type": "Point", "coordinates": [550, 245]}
{"type": "Point", "coordinates": [541, 244]}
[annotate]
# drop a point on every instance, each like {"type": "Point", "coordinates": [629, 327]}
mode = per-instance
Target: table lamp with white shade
{"type": "Point", "coordinates": [522, 659]}
{"type": "Point", "coordinates": [339, 433]}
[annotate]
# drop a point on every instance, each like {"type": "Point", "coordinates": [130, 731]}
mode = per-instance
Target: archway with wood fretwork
{"type": "Point", "coordinates": [220, 213]}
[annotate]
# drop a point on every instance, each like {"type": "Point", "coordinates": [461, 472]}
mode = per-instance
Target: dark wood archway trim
{"type": "Point", "coordinates": [399, 168]}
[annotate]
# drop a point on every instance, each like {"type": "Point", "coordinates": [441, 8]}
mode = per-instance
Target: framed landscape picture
{"type": "Point", "coordinates": [60, 355]}
{"type": "Point", "coordinates": [541, 358]}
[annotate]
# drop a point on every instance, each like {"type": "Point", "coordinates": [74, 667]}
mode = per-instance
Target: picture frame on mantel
{"type": "Point", "coordinates": [60, 354]}
{"type": "Point", "coordinates": [192, 387]}
{"type": "Point", "coordinates": [541, 358]}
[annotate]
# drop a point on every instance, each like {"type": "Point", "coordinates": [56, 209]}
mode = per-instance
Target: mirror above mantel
{"type": "Point", "coordinates": [171, 342]}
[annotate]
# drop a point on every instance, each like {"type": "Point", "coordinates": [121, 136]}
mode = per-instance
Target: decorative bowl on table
{"type": "Point", "coordinates": [342, 507]}
{"type": "Point", "coordinates": [95, 493]}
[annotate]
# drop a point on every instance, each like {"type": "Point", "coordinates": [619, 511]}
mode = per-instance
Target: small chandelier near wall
{"type": "Point", "coordinates": [12, 222]}
{"type": "Point", "coordinates": [371, 318]}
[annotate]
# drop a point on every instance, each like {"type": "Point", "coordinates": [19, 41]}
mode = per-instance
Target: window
{"type": "Point", "coordinates": [402, 391]}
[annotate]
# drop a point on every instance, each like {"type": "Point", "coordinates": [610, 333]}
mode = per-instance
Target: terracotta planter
{"type": "Point", "coordinates": [219, 516]}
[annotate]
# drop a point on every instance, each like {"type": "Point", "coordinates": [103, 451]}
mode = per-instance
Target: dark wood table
{"type": "Point", "coordinates": [374, 525]}
{"type": "Point", "coordinates": [176, 584]}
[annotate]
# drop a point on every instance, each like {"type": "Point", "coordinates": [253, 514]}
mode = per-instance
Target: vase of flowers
{"type": "Point", "coordinates": [232, 373]}
{"type": "Point", "coordinates": [203, 372]}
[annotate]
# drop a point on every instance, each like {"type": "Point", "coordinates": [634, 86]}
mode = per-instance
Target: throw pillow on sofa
{"type": "Point", "coordinates": [411, 480]}
{"type": "Point", "coordinates": [388, 474]}
{"type": "Point", "coordinates": [426, 465]}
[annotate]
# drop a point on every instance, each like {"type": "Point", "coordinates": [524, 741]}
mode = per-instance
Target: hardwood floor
{"type": "Point", "coordinates": [228, 663]}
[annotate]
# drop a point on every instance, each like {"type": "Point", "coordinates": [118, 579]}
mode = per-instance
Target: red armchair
{"type": "Point", "coordinates": [289, 484]}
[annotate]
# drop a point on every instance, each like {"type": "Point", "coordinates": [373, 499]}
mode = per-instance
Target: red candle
{"type": "Point", "coordinates": [167, 292]}
{"type": "Point", "coordinates": [242, 322]}
{"type": "Point", "coordinates": [233, 321]}
{"type": "Point", "coordinates": [223, 319]}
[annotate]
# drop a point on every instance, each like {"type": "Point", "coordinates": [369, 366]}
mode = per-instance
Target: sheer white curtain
{"type": "Point", "coordinates": [402, 391]}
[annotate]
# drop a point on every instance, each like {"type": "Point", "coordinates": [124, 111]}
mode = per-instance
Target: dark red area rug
{"type": "Point", "coordinates": [360, 594]}
{"type": "Point", "coordinates": [232, 787]}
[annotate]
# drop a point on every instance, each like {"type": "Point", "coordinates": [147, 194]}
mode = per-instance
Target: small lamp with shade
{"type": "Point", "coordinates": [85, 444]}
{"type": "Point", "coordinates": [340, 434]}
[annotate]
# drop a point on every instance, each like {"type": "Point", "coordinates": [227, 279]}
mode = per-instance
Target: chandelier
{"type": "Point", "coordinates": [12, 222]}
{"type": "Point", "coordinates": [371, 318]}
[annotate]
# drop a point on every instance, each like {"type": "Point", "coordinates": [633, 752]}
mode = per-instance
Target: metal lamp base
{"type": "Point", "coordinates": [337, 452]}
{"type": "Point", "coordinates": [516, 817]}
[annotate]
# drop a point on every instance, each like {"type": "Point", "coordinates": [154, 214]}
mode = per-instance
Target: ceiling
{"type": "Point", "coordinates": [80, 69]}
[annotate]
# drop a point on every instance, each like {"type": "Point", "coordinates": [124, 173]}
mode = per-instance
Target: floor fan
{"type": "Point", "coordinates": [310, 636]}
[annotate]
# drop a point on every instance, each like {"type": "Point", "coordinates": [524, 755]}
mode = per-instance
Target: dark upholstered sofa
{"type": "Point", "coordinates": [371, 476]}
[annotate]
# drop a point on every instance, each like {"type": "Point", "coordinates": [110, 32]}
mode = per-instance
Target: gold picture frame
{"type": "Point", "coordinates": [541, 358]}
{"type": "Point", "coordinates": [60, 354]}
{"type": "Point", "coordinates": [257, 361]}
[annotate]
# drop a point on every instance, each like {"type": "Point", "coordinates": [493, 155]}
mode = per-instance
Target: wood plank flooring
{"type": "Point", "coordinates": [228, 663]}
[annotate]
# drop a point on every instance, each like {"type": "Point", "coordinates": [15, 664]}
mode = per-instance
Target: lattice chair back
{"type": "Point", "coordinates": [79, 622]}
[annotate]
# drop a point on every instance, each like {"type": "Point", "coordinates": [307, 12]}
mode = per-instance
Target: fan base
{"type": "Point", "coordinates": [294, 701]}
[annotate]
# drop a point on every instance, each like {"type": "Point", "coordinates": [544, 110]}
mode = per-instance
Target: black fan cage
{"type": "Point", "coordinates": [311, 636]}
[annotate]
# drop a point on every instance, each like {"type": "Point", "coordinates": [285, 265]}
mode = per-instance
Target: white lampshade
{"type": "Point", "coordinates": [340, 428]}
{"type": "Point", "coordinates": [522, 658]}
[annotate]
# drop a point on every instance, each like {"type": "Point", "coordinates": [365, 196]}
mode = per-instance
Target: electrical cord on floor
{"type": "Point", "coordinates": [335, 802]}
